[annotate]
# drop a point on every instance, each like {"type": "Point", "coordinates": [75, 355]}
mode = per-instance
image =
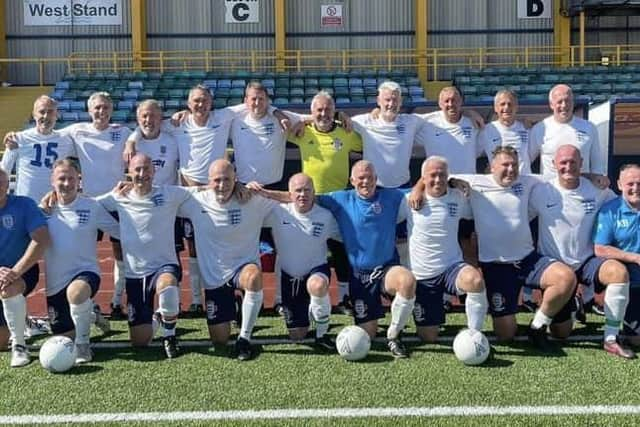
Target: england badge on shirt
{"type": "Point", "coordinates": [8, 221]}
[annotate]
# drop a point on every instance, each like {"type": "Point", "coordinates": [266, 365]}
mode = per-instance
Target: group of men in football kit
{"type": "Point", "coordinates": [180, 183]}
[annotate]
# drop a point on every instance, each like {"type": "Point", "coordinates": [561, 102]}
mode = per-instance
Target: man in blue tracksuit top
{"type": "Point", "coordinates": [367, 218]}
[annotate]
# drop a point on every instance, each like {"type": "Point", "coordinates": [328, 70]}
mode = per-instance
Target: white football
{"type": "Point", "coordinates": [58, 354]}
{"type": "Point", "coordinates": [353, 343]}
{"type": "Point", "coordinates": [471, 347]}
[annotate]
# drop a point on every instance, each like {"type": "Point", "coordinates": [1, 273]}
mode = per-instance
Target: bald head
{"type": "Point", "coordinates": [363, 179]}
{"type": "Point", "coordinates": [141, 171]}
{"type": "Point", "coordinates": [561, 103]}
{"type": "Point", "coordinates": [568, 163]}
{"type": "Point", "coordinates": [222, 179]}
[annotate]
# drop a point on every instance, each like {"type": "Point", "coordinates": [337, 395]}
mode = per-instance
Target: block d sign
{"type": "Point", "coordinates": [528, 9]}
{"type": "Point", "coordinates": [242, 11]}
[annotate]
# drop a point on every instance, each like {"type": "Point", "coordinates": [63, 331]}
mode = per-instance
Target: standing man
{"type": "Point", "coordinates": [562, 127]}
{"type": "Point", "coordinates": [301, 230]}
{"type": "Point", "coordinates": [388, 139]}
{"type": "Point", "coordinates": [23, 239]}
{"type": "Point", "coordinates": [506, 130]}
{"type": "Point", "coordinates": [151, 265]}
{"type": "Point", "coordinates": [72, 272]}
{"type": "Point", "coordinates": [617, 236]}
{"type": "Point", "coordinates": [229, 233]}
{"type": "Point", "coordinates": [567, 207]}
{"type": "Point", "coordinates": [435, 255]}
{"type": "Point", "coordinates": [500, 203]}
{"type": "Point", "coordinates": [37, 149]}
{"type": "Point", "coordinates": [367, 218]}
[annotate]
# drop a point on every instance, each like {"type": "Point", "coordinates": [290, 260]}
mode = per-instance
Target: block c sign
{"type": "Point", "coordinates": [242, 11]}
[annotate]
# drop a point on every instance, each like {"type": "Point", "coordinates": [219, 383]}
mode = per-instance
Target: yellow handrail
{"type": "Point", "coordinates": [439, 61]}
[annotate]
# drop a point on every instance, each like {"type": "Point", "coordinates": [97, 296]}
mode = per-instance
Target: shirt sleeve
{"type": "Point", "coordinates": [106, 222]}
{"type": "Point", "coordinates": [34, 216]}
{"type": "Point", "coordinates": [9, 159]}
{"type": "Point", "coordinates": [596, 158]}
{"type": "Point", "coordinates": [108, 202]}
{"type": "Point", "coordinates": [604, 231]}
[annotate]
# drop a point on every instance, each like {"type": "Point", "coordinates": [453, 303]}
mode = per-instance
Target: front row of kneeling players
{"type": "Point", "coordinates": [227, 221]}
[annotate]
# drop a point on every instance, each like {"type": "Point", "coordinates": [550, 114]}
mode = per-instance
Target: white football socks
{"type": "Point", "coordinates": [118, 283]}
{"type": "Point", "coordinates": [401, 309]}
{"type": "Point", "coordinates": [475, 307]}
{"type": "Point", "coordinates": [616, 297]}
{"type": "Point", "coordinates": [194, 281]}
{"type": "Point", "coordinates": [15, 313]}
{"type": "Point", "coordinates": [251, 305]}
{"type": "Point", "coordinates": [82, 315]}
{"type": "Point", "coordinates": [320, 308]}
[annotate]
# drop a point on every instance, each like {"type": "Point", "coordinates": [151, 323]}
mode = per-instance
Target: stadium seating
{"type": "Point", "coordinates": [127, 89]}
{"type": "Point", "coordinates": [533, 84]}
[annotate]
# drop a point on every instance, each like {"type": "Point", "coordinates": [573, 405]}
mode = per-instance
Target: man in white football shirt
{"type": "Point", "coordinates": [567, 207]}
{"type": "Point", "coordinates": [435, 255]}
{"type": "Point", "coordinates": [228, 232]}
{"type": "Point", "coordinates": [500, 205]}
{"type": "Point", "coordinates": [506, 130]}
{"type": "Point", "coordinates": [72, 272]}
{"type": "Point", "coordinates": [151, 264]}
{"type": "Point", "coordinates": [388, 139]}
{"type": "Point", "coordinates": [37, 149]}
{"type": "Point", "coordinates": [562, 127]}
{"type": "Point", "coordinates": [301, 229]}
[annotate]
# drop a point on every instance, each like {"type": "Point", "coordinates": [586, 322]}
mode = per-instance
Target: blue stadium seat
{"type": "Point", "coordinates": [63, 85]}
{"type": "Point", "coordinates": [296, 91]}
{"type": "Point", "coordinates": [340, 82]}
{"type": "Point", "coordinates": [77, 106]}
{"type": "Point", "coordinates": [280, 101]}
{"type": "Point", "coordinates": [210, 83]}
{"type": "Point", "coordinates": [70, 116]}
{"type": "Point", "coordinates": [343, 100]}
{"type": "Point", "coordinates": [370, 82]}
{"type": "Point", "coordinates": [296, 82]}
{"type": "Point", "coordinates": [64, 105]}
{"type": "Point", "coordinates": [224, 83]}
{"type": "Point", "coordinates": [311, 82]}
{"type": "Point", "coordinates": [297, 100]}
{"type": "Point", "coordinates": [238, 84]}
{"type": "Point", "coordinates": [268, 83]}
{"type": "Point", "coordinates": [131, 94]}
{"type": "Point", "coordinates": [172, 103]}
{"type": "Point", "coordinates": [135, 85]}
{"type": "Point", "coordinates": [355, 82]}
{"type": "Point", "coordinates": [125, 105]}
{"type": "Point", "coordinates": [83, 116]}
{"type": "Point", "coordinates": [236, 92]}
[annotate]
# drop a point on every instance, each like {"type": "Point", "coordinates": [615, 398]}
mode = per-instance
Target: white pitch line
{"type": "Point", "coordinates": [438, 411]}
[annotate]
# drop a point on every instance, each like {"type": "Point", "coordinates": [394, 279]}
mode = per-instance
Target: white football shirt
{"type": "Point", "coordinates": [501, 217]}
{"type": "Point", "coordinates": [548, 135]}
{"type": "Point", "coordinates": [388, 145]}
{"type": "Point", "coordinates": [73, 229]}
{"type": "Point", "coordinates": [227, 235]}
{"type": "Point", "coordinates": [100, 155]}
{"type": "Point", "coordinates": [35, 156]}
{"type": "Point", "coordinates": [456, 142]}
{"type": "Point", "coordinates": [146, 227]}
{"type": "Point", "coordinates": [433, 233]}
{"type": "Point", "coordinates": [566, 219]}
{"type": "Point", "coordinates": [495, 135]}
{"type": "Point", "coordinates": [301, 238]}
{"type": "Point", "coordinates": [163, 152]}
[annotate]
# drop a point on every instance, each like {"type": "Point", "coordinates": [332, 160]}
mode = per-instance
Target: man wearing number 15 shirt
{"type": "Point", "coordinates": [38, 149]}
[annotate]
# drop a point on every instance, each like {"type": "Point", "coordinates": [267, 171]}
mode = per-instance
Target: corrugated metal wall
{"type": "Point", "coordinates": [171, 25]}
{"type": "Point", "coordinates": [377, 24]}
{"type": "Point", "coordinates": [58, 41]}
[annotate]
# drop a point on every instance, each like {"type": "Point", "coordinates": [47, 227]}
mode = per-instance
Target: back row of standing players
{"type": "Point", "coordinates": [258, 133]}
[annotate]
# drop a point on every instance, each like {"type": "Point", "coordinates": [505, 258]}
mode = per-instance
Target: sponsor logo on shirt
{"type": "Point", "coordinates": [623, 223]}
{"type": "Point", "coordinates": [337, 144]}
{"type": "Point", "coordinates": [157, 164]}
{"type": "Point", "coordinates": [8, 221]}
{"type": "Point", "coordinates": [83, 215]}
{"type": "Point", "coordinates": [589, 206]}
{"type": "Point", "coordinates": [235, 216]}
